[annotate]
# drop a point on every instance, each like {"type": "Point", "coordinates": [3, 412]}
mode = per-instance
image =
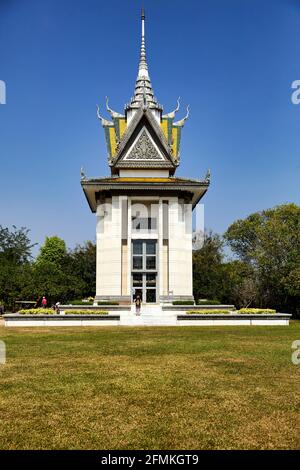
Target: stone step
{"type": "Point", "coordinates": [148, 319]}
{"type": "Point", "coordinates": [152, 309]}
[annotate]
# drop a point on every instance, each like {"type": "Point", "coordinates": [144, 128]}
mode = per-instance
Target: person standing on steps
{"type": "Point", "coordinates": [57, 308]}
{"type": "Point", "coordinates": [138, 303]}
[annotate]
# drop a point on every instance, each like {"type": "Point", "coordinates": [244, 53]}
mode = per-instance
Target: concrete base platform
{"type": "Point", "coordinates": [234, 320]}
{"type": "Point", "coordinates": [16, 320]}
{"type": "Point", "coordinates": [148, 317]}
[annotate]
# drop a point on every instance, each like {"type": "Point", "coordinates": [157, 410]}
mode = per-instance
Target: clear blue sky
{"type": "Point", "coordinates": [232, 60]}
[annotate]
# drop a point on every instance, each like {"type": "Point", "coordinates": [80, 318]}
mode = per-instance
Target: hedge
{"type": "Point", "coordinates": [255, 311]}
{"type": "Point", "coordinates": [86, 312]}
{"type": "Point", "coordinates": [50, 311]}
{"type": "Point", "coordinates": [79, 302]}
{"type": "Point", "coordinates": [200, 302]}
{"type": "Point", "coordinates": [111, 302]}
{"type": "Point", "coordinates": [37, 311]}
{"type": "Point", "coordinates": [207, 312]}
{"type": "Point", "coordinates": [243, 311]}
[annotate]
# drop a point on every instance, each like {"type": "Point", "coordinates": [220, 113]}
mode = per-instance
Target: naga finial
{"type": "Point", "coordinates": [182, 121]}
{"type": "Point", "coordinates": [113, 113]}
{"type": "Point", "coordinates": [207, 176]}
{"type": "Point", "coordinates": [172, 113]}
{"type": "Point", "coordinates": [104, 121]}
{"type": "Point", "coordinates": [82, 174]}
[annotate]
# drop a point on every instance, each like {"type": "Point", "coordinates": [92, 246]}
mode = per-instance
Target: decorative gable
{"type": "Point", "coordinates": [143, 145]}
{"type": "Point", "coordinates": [144, 148]}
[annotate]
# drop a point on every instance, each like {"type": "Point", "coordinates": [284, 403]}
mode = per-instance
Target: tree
{"type": "Point", "coordinates": [53, 251]}
{"type": "Point", "coordinates": [269, 243]}
{"type": "Point", "coordinates": [15, 255]}
{"type": "Point", "coordinates": [59, 274]}
{"type": "Point", "coordinates": [207, 268]}
{"type": "Point", "coordinates": [52, 274]}
{"type": "Point", "coordinates": [82, 263]}
{"type": "Point", "coordinates": [239, 284]}
{"type": "Point", "coordinates": [15, 245]}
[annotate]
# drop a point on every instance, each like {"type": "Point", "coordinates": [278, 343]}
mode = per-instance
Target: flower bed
{"type": "Point", "coordinates": [242, 311]}
{"type": "Point", "coordinates": [255, 311]}
{"type": "Point", "coordinates": [50, 311]}
{"type": "Point", "coordinates": [207, 312]}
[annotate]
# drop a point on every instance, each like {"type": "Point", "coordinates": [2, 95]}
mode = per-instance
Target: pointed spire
{"type": "Point", "coordinates": [143, 92]}
{"type": "Point", "coordinates": [143, 67]}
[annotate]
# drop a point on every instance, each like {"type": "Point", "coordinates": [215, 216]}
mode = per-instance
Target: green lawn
{"type": "Point", "coordinates": [150, 388]}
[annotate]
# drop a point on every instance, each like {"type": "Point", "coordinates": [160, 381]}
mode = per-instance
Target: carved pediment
{"type": "Point", "coordinates": [144, 149]}
{"type": "Point", "coordinates": [143, 145]}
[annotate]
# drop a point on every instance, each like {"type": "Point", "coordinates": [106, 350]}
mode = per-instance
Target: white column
{"type": "Point", "coordinates": [180, 249]}
{"type": "Point", "coordinates": [108, 278]}
{"type": "Point", "coordinates": [129, 248]}
{"type": "Point", "coordinates": [160, 260]}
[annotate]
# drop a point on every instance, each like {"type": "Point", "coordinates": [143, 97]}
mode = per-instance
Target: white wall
{"type": "Point", "coordinates": [180, 249]}
{"type": "Point", "coordinates": [144, 173]}
{"type": "Point", "coordinates": [108, 279]}
{"type": "Point", "coordinates": [109, 255]}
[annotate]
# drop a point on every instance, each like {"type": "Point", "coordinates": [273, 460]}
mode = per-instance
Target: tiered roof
{"type": "Point", "coordinates": [143, 101]}
{"type": "Point", "coordinates": [143, 138]}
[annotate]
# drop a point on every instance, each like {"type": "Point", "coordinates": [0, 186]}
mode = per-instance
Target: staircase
{"type": "Point", "coordinates": [151, 315]}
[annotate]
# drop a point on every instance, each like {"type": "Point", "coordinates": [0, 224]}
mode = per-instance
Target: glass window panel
{"type": "Point", "coordinates": [137, 247]}
{"type": "Point", "coordinates": [137, 280]}
{"type": "Point", "coordinates": [150, 295]}
{"type": "Point", "coordinates": [138, 292]}
{"type": "Point", "coordinates": [150, 247]}
{"type": "Point", "coordinates": [150, 280]}
{"type": "Point", "coordinates": [150, 262]}
{"type": "Point", "coordinates": [137, 262]}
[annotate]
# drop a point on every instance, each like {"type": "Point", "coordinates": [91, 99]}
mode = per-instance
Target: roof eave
{"type": "Point", "coordinates": [91, 187]}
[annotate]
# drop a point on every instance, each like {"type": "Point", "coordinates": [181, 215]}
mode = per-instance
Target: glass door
{"type": "Point", "coordinates": [150, 287]}
{"type": "Point", "coordinates": [144, 270]}
{"type": "Point", "coordinates": [137, 285]}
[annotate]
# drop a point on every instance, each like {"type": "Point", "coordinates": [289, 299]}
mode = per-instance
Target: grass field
{"type": "Point", "coordinates": [150, 388]}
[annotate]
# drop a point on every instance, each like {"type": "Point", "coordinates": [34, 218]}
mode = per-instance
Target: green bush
{"type": "Point", "coordinates": [79, 302]}
{"type": "Point", "coordinates": [86, 312]}
{"type": "Point", "coordinates": [183, 302]}
{"type": "Point", "coordinates": [208, 302]}
{"type": "Point", "coordinates": [111, 302]}
{"type": "Point", "coordinates": [36, 311]}
{"type": "Point", "coordinates": [50, 311]}
{"type": "Point", "coordinates": [207, 312]}
{"type": "Point", "coordinates": [255, 310]}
